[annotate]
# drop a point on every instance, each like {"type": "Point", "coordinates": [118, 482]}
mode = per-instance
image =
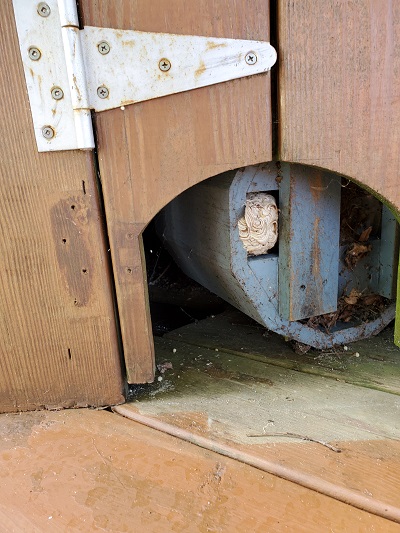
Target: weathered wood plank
{"type": "Point", "coordinates": [227, 398]}
{"type": "Point", "coordinates": [152, 151]}
{"type": "Point", "coordinates": [340, 90]}
{"type": "Point", "coordinates": [87, 471]}
{"type": "Point", "coordinates": [377, 365]}
{"type": "Point", "coordinates": [57, 329]}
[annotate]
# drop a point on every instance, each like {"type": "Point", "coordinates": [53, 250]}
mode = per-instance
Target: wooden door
{"type": "Point", "coordinates": [339, 90]}
{"type": "Point", "coordinates": [57, 328]}
{"type": "Point", "coordinates": [152, 151]}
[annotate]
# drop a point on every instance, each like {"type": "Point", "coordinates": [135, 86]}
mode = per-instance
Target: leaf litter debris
{"type": "Point", "coordinates": [358, 250]}
{"type": "Point", "coordinates": [354, 306]}
{"type": "Point", "coordinates": [360, 220]}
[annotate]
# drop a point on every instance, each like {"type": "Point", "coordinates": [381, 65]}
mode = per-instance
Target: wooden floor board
{"type": "Point", "coordinates": [373, 363]}
{"type": "Point", "coordinates": [214, 393]}
{"type": "Point", "coordinates": [83, 471]}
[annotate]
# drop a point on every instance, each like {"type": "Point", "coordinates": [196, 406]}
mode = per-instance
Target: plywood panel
{"type": "Point", "coordinates": [97, 471]}
{"type": "Point", "coordinates": [57, 329]}
{"type": "Point", "coordinates": [152, 151]}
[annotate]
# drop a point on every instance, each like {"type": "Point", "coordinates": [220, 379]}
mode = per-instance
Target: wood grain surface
{"type": "Point", "coordinates": [58, 334]}
{"type": "Point", "coordinates": [87, 470]}
{"type": "Point", "coordinates": [377, 365]}
{"type": "Point", "coordinates": [219, 383]}
{"type": "Point", "coordinates": [339, 84]}
{"type": "Point", "coordinates": [151, 151]}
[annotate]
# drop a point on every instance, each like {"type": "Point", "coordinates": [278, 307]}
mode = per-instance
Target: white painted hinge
{"type": "Point", "coordinates": [69, 71]}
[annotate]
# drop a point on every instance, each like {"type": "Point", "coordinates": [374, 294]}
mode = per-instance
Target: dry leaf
{"type": "Point", "coordinates": [372, 299]}
{"type": "Point", "coordinates": [365, 234]}
{"type": "Point", "coordinates": [355, 253]}
{"type": "Point", "coordinates": [353, 297]}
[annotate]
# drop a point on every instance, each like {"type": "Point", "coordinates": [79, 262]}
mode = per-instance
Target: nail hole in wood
{"type": "Point", "coordinates": [302, 287]}
{"type": "Point", "coordinates": [64, 241]}
{"type": "Point", "coordinates": [129, 270]}
{"type": "Point", "coordinates": [72, 207]}
{"type": "Point", "coordinates": [84, 270]}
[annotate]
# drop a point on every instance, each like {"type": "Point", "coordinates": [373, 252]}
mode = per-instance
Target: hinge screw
{"type": "Point", "coordinates": [48, 132]}
{"type": "Point", "coordinates": [164, 64]}
{"type": "Point", "coordinates": [34, 53]}
{"type": "Point", "coordinates": [102, 92]}
{"type": "Point", "coordinates": [43, 9]}
{"type": "Point", "coordinates": [103, 47]}
{"type": "Point", "coordinates": [251, 58]}
{"type": "Point", "coordinates": [57, 93]}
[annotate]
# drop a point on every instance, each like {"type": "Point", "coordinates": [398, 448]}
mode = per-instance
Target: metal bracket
{"type": "Point", "coordinates": [70, 71]}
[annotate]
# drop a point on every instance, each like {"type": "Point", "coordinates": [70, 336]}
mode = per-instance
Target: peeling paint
{"type": "Point", "coordinates": [201, 69]}
{"type": "Point", "coordinates": [128, 43]}
{"type": "Point", "coordinates": [213, 44]}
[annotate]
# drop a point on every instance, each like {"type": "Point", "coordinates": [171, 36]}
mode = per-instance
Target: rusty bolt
{"type": "Point", "coordinates": [164, 64]}
{"type": "Point", "coordinates": [103, 47]}
{"type": "Point", "coordinates": [34, 53]}
{"type": "Point", "coordinates": [57, 93]}
{"type": "Point", "coordinates": [43, 9]}
{"type": "Point", "coordinates": [48, 132]}
{"type": "Point", "coordinates": [251, 58]}
{"type": "Point", "coordinates": [102, 92]}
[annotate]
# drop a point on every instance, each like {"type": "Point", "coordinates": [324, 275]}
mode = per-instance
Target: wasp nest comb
{"type": "Point", "coordinates": [258, 229]}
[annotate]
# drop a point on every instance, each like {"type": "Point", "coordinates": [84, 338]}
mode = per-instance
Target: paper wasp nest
{"type": "Point", "coordinates": [258, 229]}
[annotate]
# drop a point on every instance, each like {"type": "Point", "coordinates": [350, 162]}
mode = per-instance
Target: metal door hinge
{"type": "Point", "coordinates": [69, 71]}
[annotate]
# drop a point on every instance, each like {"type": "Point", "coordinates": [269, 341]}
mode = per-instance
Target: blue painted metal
{"type": "Point", "coordinates": [388, 255]}
{"type": "Point", "coordinates": [200, 229]}
{"type": "Point", "coordinates": [309, 202]}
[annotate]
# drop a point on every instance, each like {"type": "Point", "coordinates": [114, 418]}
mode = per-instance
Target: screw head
{"type": "Point", "coordinates": [102, 92]}
{"type": "Point", "coordinates": [43, 9]}
{"type": "Point", "coordinates": [57, 93]}
{"type": "Point", "coordinates": [34, 53]}
{"type": "Point", "coordinates": [164, 64]}
{"type": "Point", "coordinates": [251, 58]}
{"type": "Point", "coordinates": [48, 132]}
{"type": "Point", "coordinates": [103, 47]}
